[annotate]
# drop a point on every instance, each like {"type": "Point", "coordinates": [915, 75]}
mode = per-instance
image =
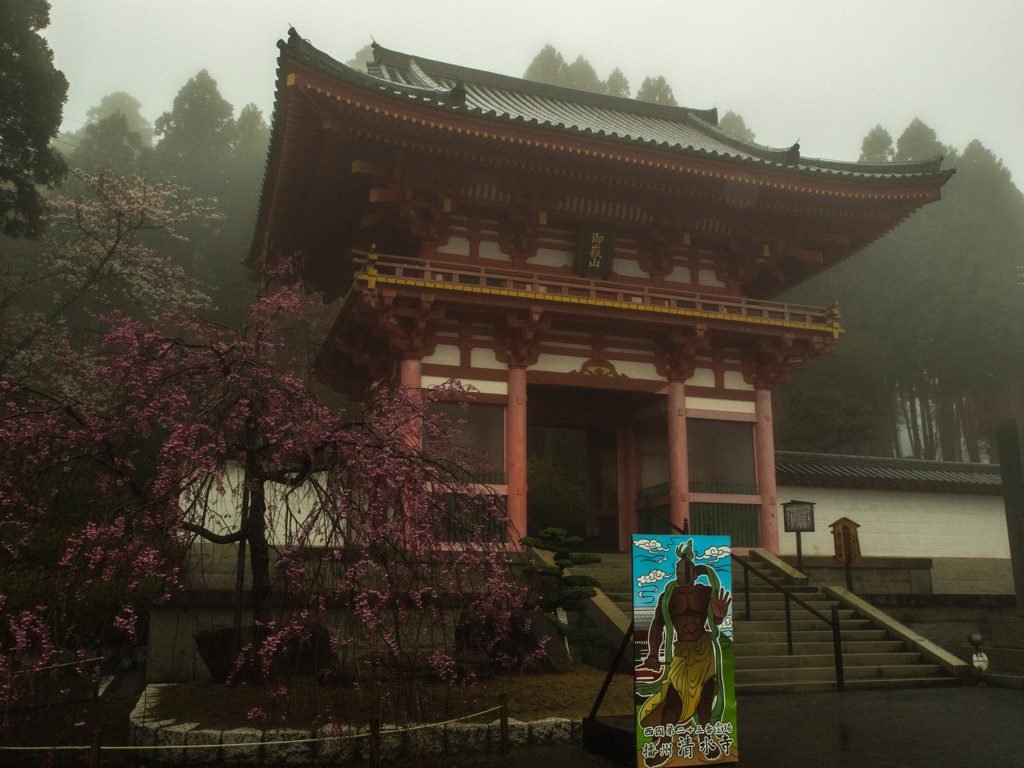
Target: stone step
{"type": "Point", "coordinates": [794, 615]}
{"type": "Point", "coordinates": [853, 672]}
{"type": "Point", "coordinates": [760, 588]}
{"type": "Point", "coordinates": [824, 660]}
{"type": "Point", "coordinates": [799, 625]}
{"type": "Point", "coordinates": [823, 686]}
{"type": "Point", "coordinates": [741, 650]}
{"type": "Point", "coordinates": [771, 594]}
{"type": "Point", "coordinates": [811, 636]}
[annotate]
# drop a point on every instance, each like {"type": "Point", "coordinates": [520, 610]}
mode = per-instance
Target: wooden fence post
{"type": "Point", "coordinates": [375, 742]}
{"type": "Point", "coordinates": [94, 751]}
{"type": "Point", "coordinates": [505, 747]}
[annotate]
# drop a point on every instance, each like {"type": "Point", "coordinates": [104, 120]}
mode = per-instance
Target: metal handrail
{"type": "Point", "coordinates": [837, 642]}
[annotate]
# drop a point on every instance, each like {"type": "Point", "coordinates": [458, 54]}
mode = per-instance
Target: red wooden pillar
{"type": "Point", "coordinates": [678, 461]}
{"type": "Point", "coordinates": [764, 459]}
{"type": "Point", "coordinates": [412, 372]}
{"type": "Point", "coordinates": [515, 452]}
{"type": "Point", "coordinates": [411, 375]}
{"type": "Point", "coordinates": [628, 471]}
{"type": "Point", "coordinates": [593, 482]}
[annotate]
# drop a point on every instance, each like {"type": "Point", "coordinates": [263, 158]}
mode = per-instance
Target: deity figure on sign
{"type": "Point", "coordinates": [686, 621]}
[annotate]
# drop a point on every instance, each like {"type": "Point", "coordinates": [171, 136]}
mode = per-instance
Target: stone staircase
{"type": "Point", "coordinates": [615, 572]}
{"type": "Point", "coordinates": [873, 657]}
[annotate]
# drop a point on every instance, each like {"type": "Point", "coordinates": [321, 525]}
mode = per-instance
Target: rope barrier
{"type": "Point", "coordinates": [261, 743]}
{"type": "Point", "coordinates": [96, 660]}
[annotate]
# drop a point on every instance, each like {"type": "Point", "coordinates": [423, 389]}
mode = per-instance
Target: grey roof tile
{"type": "Point", "coordinates": [624, 121]}
{"type": "Point", "coordinates": [809, 469]}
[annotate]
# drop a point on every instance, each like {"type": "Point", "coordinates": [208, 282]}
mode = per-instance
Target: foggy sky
{"type": "Point", "coordinates": [821, 72]}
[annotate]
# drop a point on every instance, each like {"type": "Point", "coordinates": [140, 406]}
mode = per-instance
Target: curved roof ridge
{"type": "Point", "coordinates": [508, 82]}
{"type": "Point", "coordinates": [622, 120]}
{"type": "Point", "coordinates": [837, 459]}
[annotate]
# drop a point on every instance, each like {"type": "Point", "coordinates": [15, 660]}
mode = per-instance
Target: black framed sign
{"type": "Point", "coordinates": [595, 251]}
{"type": "Point", "coordinates": [798, 516]}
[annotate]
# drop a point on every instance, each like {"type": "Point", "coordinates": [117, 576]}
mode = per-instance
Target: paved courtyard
{"type": "Point", "coordinates": [929, 728]}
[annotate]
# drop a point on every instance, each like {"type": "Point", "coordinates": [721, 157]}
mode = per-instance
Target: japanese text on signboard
{"type": "Point", "coordinates": [595, 251]}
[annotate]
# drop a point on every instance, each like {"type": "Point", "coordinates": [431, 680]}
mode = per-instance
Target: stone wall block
{"type": "Point", "coordinates": [335, 745]}
{"type": "Point", "coordinates": [426, 741]}
{"type": "Point", "coordinates": [518, 734]}
{"type": "Point", "coordinates": [208, 755]}
{"type": "Point", "coordinates": [576, 731]}
{"type": "Point", "coordinates": [243, 754]}
{"type": "Point", "coordinates": [551, 730]}
{"type": "Point", "coordinates": [297, 752]}
{"type": "Point", "coordinates": [392, 743]}
{"type": "Point", "coordinates": [467, 737]}
{"type": "Point", "coordinates": [173, 735]}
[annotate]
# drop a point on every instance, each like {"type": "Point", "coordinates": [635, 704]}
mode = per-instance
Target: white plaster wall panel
{"type": "Point", "coordinates": [444, 354]}
{"type": "Point", "coordinates": [627, 268]}
{"type": "Point", "coordinates": [548, 257]}
{"type": "Point", "coordinates": [716, 404]}
{"type": "Point", "coordinates": [636, 370]}
{"type": "Point", "coordinates": [482, 357]}
{"type": "Point", "coordinates": [559, 363]}
{"type": "Point", "coordinates": [458, 246]}
{"type": "Point", "coordinates": [702, 377]}
{"type": "Point", "coordinates": [489, 249]}
{"type": "Point", "coordinates": [903, 523]}
{"type": "Point", "coordinates": [223, 508]}
{"type": "Point", "coordinates": [707, 277]}
{"type": "Point", "coordinates": [734, 380]}
{"type": "Point", "coordinates": [680, 274]}
{"type": "Point", "coordinates": [480, 385]}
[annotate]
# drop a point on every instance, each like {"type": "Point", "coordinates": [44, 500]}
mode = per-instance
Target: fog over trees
{"type": "Point", "coordinates": [934, 354]}
{"type": "Point", "coordinates": [934, 357]}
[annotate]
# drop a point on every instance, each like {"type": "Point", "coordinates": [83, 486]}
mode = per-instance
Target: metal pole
{"type": "Point", "coordinates": [789, 628]}
{"type": "Point", "coordinates": [799, 554]}
{"type": "Point", "coordinates": [837, 643]}
{"type": "Point", "coordinates": [611, 670]}
{"type": "Point", "coordinates": [746, 587]}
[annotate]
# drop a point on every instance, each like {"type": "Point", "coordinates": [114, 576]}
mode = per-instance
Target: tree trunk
{"type": "Point", "coordinates": [259, 553]}
{"type": "Point", "coordinates": [948, 431]}
{"type": "Point", "coordinates": [913, 425]}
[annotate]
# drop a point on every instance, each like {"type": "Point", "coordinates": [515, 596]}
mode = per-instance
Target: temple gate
{"type": "Point", "coordinates": [582, 260]}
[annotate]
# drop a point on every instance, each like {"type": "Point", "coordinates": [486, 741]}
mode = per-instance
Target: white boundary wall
{"type": "Point", "coordinates": [902, 523]}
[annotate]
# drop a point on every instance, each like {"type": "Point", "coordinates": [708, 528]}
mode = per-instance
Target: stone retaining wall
{"type": "Point", "coordinates": [329, 745]}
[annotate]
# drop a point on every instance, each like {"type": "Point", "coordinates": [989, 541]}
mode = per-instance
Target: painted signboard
{"type": "Point", "coordinates": [683, 663]}
{"type": "Point", "coordinates": [595, 251]}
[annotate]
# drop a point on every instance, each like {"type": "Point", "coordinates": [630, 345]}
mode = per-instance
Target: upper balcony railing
{"type": "Point", "coordinates": [500, 279]}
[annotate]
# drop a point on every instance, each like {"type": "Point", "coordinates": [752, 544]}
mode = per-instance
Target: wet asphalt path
{"type": "Point", "coordinates": [929, 728]}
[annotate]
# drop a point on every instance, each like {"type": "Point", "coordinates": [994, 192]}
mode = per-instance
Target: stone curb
{"type": "Point", "coordinates": [147, 731]}
{"type": "Point", "coordinates": [792, 575]}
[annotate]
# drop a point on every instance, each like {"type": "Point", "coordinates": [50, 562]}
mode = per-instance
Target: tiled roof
{"type": "Point", "coordinates": [829, 470]}
{"type": "Point", "coordinates": [448, 87]}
